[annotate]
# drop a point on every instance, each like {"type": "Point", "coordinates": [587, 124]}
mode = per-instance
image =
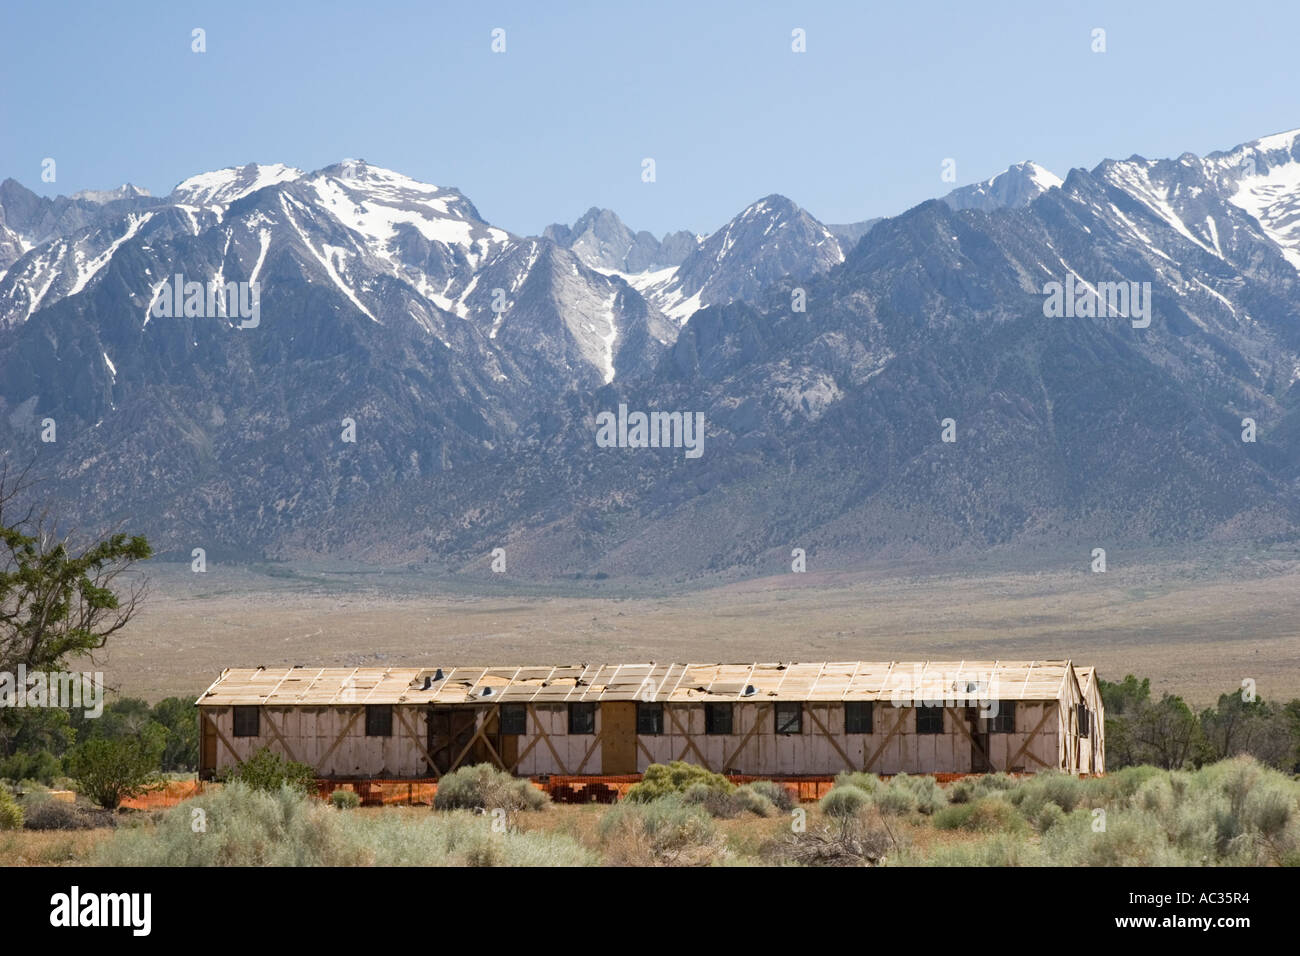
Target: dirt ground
{"type": "Point", "coordinates": [1197, 628]}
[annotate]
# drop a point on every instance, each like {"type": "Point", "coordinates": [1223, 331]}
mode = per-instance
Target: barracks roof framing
{"type": "Point", "coordinates": [677, 683]}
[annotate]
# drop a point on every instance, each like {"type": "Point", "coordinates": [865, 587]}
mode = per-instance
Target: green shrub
{"type": "Point", "coordinates": [49, 814]}
{"type": "Point", "coordinates": [1131, 838]}
{"type": "Point", "coordinates": [756, 801]}
{"type": "Point", "coordinates": [716, 803]}
{"type": "Point", "coordinates": [41, 766]}
{"type": "Point", "coordinates": [777, 794]}
{"type": "Point", "coordinates": [993, 782]}
{"type": "Point", "coordinates": [1062, 789]}
{"type": "Point", "coordinates": [844, 801]}
{"type": "Point", "coordinates": [928, 796]}
{"type": "Point", "coordinates": [963, 791]}
{"type": "Point", "coordinates": [1047, 817]}
{"type": "Point", "coordinates": [397, 837]}
{"type": "Point", "coordinates": [266, 770]}
{"type": "Point", "coordinates": [11, 814]}
{"type": "Point", "coordinates": [108, 770]}
{"type": "Point", "coordinates": [664, 831]}
{"type": "Point", "coordinates": [484, 787]}
{"type": "Point", "coordinates": [894, 801]}
{"type": "Point", "coordinates": [345, 799]}
{"type": "Point", "coordinates": [987, 814]}
{"type": "Point", "coordinates": [866, 782]}
{"type": "Point", "coordinates": [999, 849]}
{"type": "Point", "coordinates": [239, 825]}
{"type": "Point", "coordinates": [661, 780]}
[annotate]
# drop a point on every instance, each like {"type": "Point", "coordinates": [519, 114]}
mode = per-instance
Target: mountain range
{"type": "Point", "coordinates": [826, 360]}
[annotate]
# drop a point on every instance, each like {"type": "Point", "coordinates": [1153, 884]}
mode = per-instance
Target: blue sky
{"type": "Point", "coordinates": [857, 126]}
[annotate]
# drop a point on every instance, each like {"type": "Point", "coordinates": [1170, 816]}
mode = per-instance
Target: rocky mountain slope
{"type": "Point", "coordinates": [473, 363]}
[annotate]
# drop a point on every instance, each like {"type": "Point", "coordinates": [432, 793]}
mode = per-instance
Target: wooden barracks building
{"type": "Point", "coordinates": [778, 720]}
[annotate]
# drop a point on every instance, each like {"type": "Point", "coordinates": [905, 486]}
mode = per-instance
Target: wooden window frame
{"type": "Point", "coordinates": [795, 706]}
{"type": "Point", "coordinates": [1004, 722]}
{"type": "Point", "coordinates": [373, 717]}
{"type": "Point", "coordinates": [522, 711]}
{"type": "Point", "coordinates": [711, 712]}
{"type": "Point", "coordinates": [582, 706]}
{"type": "Point", "coordinates": [927, 714]}
{"type": "Point", "coordinates": [243, 712]}
{"type": "Point", "coordinates": [867, 709]}
{"type": "Point", "coordinates": [650, 707]}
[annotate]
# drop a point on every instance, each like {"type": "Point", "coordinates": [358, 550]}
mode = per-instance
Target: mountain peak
{"type": "Point", "coordinates": [601, 240]}
{"type": "Point", "coordinates": [1015, 186]}
{"type": "Point", "coordinates": [224, 186]}
{"type": "Point", "coordinates": [124, 191]}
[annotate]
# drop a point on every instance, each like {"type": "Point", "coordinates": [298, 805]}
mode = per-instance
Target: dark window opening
{"type": "Point", "coordinates": [514, 719]}
{"type": "Point", "coordinates": [717, 718]}
{"type": "Point", "coordinates": [248, 722]}
{"type": "Point", "coordinates": [1004, 721]}
{"type": "Point", "coordinates": [789, 717]}
{"type": "Point", "coordinates": [929, 720]}
{"type": "Point", "coordinates": [379, 720]}
{"type": "Point", "coordinates": [857, 717]}
{"type": "Point", "coordinates": [582, 718]}
{"type": "Point", "coordinates": [1085, 720]}
{"type": "Point", "coordinates": [650, 719]}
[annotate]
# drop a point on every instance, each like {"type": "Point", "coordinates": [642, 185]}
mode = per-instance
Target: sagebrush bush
{"type": "Point", "coordinates": [963, 791]}
{"type": "Point", "coordinates": [48, 814]}
{"type": "Point", "coordinates": [239, 826]}
{"type": "Point", "coordinates": [11, 814]}
{"type": "Point", "coordinates": [755, 801]}
{"type": "Point", "coordinates": [721, 804]}
{"type": "Point", "coordinates": [987, 814]}
{"type": "Point", "coordinates": [779, 795]}
{"type": "Point", "coordinates": [659, 832]}
{"type": "Point", "coordinates": [661, 780]}
{"type": "Point", "coordinates": [245, 827]}
{"type": "Point", "coordinates": [1047, 817]}
{"type": "Point", "coordinates": [396, 837]}
{"type": "Point", "coordinates": [484, 787]}
{"type": "Point", "coordinates": [844, 801]}
{"type": "Point", "coordinates": [928, 796]}
{"type": "Point", "coordinates": [866, 782]}
{"type": "Point", "coordinates": [894, 801]}
{"type": "Point", "coordinates": [345, 799]}
{"type": "Point", "coordinates": [999, 849]}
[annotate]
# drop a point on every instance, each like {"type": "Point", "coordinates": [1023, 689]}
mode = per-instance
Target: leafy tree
{"type": "Point", "coordinates": [1238, 726]}
{"type": "Point", "coordinates": [62, 596]}
{"type": "Point", "coordinates": [1123, 701]}
{"type": "Point", "coordinates": [33, 742]}
{"type": "Point", "coordinates": [177, 714]}
{"type": "Point", "coordinates": [58, 592]}
{"type": "Point", "coordinates": [109, 769]}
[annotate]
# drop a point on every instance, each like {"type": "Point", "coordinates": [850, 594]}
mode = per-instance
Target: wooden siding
{"type": "Point", "coordinates": [332, 739]}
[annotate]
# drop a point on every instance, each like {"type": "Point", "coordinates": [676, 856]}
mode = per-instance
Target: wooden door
{"type": "Point", "coordinates": [208, 759]}
{"type": "Point", "coordinates": [618, 736]}
{"type": "Point", "coordinates": [450, 729]}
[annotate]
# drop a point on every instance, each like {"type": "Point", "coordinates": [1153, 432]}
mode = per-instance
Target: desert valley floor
{"type": "Point", "coordinates": [1196, 627]}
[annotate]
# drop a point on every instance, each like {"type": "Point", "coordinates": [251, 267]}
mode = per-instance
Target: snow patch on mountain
{"type": "Point", "coordinates": [224, 186]}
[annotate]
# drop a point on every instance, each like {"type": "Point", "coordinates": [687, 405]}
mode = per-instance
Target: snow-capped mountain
{"type": "Point", "coordinates": [1014, 187]}
{"type": "Point", "coordinates": [600, 240]}
{"type": "Point", "coordinates": [770, 239]}
{"type": "Point", "coordinates": [472, 362]}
